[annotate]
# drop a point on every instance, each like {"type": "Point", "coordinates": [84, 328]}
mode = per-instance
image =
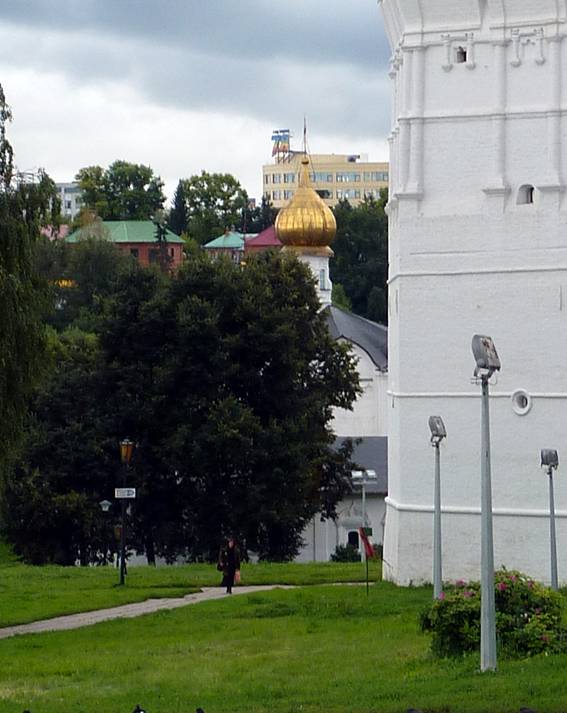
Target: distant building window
{"type": "Point", "coordinates": [526, 195]}
{"type": "Point", "coordinates": [289, 178]}
{"type": "Point", "coordinates": [154, 256]}
{"type": "Point", "coordinates": [171, 252]}
{"type": "Point", "coordinates": [460, 55]}
{"type": "Point", "coordinates": [324, 193]}
{"type": "Point", "coordinates": [134, 252]}
{"type": "Point", "coordinates": [348, 177]}
{"type": "Point", "coordinates": [277, 178]}
{"type": "Point", "coordinates": [320, 177]}
{"type": "Point", "coordinates": [287, 195]}
{"type": "Point", "coordinates": [68, 205]}
{"type": "Point", "coordinates": [266, 178]}
{"type": "Point", "coordinates": [277, 195]}
{"type": "Point", "coordinates": [376, 176]}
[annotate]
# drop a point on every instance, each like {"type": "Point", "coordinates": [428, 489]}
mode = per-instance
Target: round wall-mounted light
{"type": "Point", "coordinates": [521, 402]}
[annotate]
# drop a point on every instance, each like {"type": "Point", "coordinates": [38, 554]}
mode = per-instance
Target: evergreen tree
{"type": "Point", "coordinates": [177, 220]}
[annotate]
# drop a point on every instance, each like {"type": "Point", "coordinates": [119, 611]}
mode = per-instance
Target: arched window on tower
{"type": "Point", "coordinates": [526, 194]}
{"type": "Point", "coordinates": [460, 55]}
{"type": "Point", "coordinates": [322, 280]}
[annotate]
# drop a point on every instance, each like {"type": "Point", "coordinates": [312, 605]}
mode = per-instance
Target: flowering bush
{"type": "Point", "coordinates": [528, 617]}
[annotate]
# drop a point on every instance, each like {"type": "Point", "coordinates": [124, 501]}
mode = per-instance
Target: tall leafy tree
{"type": "Point", "coordinates": [50, 497]}
{"type": "Point", "coordinates": [227, 380]}
{"type": "Point", "coordinates": [24, 207]}
{"type": "Point", "coordinates": [123, 191]}
{"type": "Point", "coordinates": [360, 264]}
{"type": "Point", "coordinates": [214, 201]}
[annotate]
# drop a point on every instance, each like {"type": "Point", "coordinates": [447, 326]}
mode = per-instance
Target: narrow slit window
{"type": "Point", "coordinates": [460, 55]}
{"type": "Point", "coordinates": [526, 195]}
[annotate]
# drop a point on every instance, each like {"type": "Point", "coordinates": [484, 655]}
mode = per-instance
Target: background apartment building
{"type": "Point", "coordinates": [334, 177]}
{"type": "Point", "coordinates": [71, 201]}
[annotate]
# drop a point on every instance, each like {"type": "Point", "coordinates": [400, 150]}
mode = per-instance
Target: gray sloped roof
{"type": "Point", "coordinates": [371, 453]}
{"type": "Point", "coordinates": [370, 336]}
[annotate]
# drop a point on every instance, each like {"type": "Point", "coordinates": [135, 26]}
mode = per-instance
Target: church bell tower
{"type": "Point", "coordinates": [478, 244]}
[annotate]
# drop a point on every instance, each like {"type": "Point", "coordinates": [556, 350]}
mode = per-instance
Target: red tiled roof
{"type": "Point", "coordinates": [266, 239]}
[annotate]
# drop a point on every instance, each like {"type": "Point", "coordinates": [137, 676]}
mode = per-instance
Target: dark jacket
{"type": "Point", "coordinates": [229, 559]}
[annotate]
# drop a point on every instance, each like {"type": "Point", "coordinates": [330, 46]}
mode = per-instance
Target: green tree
{"type": "Point", "coordinates": [361, 256]}
{"type": "Point", "coordinates": [81, 276]}
{"type": "Point", "coordinates": [226, 379]}
{"type": "Point", "coordinates": [214, 201]}
{"type": "Point", "coordinates": [123, 191]}
{"type": "Point", "coordinates": [177, 219]}
{"type": "Point", "coordinates": [24, 207]}
{"type": "Point", "coordinates": [254, 220]}
{"type": "Point", "coordinates": [50, 497]}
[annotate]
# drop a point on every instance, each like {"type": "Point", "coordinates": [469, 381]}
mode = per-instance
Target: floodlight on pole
{"type": "Point", "coordinates": [363, 477]}
{"type": "Point", "coordinates": [550, 461]}
{"type": "Point", "coordinates": [438, 433]}
{"type": "Point", "coordinates": [487, 362]}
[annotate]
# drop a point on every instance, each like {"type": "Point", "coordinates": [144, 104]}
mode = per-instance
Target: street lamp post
{"type": "Point", "coordinates": [364, 477]}
{"type": "Point", "coordinates": [487, 362]}
{"type": "Point", "coordinates": [550, 461]}
{"type": "Point", "coordinates": [438, 433]}
{"type": "Point", "coordinates": [126, 450]}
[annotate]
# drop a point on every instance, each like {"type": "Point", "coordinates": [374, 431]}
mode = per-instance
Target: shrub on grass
{"type": "Point", "coordinates": [345, 553]}
{"type": "Point", "coordinates": [528, 617]}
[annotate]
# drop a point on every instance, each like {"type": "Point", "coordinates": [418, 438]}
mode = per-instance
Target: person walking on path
{"type": "Point", "coordinates": [229, 564]}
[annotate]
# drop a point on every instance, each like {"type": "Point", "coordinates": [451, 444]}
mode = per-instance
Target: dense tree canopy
{"type": "Point", "coordinates": [225, 379]}
{"type": "Point", "coordinates": [213, 201]}
{"type": "Point", "coordinates": [360, 264]}
{"type": "Point", "coordinates": [123, 191]}
{"type": "Point", "coordinates": [24, 207]}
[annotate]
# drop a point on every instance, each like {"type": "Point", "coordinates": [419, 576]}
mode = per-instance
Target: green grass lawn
{"type": "Point", "coordinates": [309, 650]}
{"type": "Point", "coordinates": [31, 593]}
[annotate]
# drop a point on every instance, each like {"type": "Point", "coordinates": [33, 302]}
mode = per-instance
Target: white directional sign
{"type": "Point", "coordinates": [124, 493]}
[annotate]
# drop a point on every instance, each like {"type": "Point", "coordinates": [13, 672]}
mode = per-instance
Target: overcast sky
{"type": "Point", "coordinates": [186, 85]}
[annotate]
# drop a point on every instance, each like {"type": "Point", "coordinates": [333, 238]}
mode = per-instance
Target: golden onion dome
{"type": "Point", "coordinates": [306, 222]}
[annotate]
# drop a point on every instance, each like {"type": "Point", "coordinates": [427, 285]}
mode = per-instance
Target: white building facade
{"type": "Point", "coordinates": [478, 244]}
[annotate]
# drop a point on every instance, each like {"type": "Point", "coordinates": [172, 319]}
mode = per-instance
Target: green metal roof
{"type": "Point", "coordinates": [230, 241]}
{"type": "Point", "coordinates": [123, 231]}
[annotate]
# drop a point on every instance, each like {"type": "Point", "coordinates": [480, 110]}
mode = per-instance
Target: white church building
{"type": "Point", "coordinates": [307, 227]}
{"type": "Point", "coordinates": [478, 244]}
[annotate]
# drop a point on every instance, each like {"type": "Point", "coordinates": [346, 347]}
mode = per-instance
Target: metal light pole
{"type": "Point", "coordinates": [550, 461]}
{"type": "Point", "coordinates": [487, 362]}
{"type": "Point", "coordinates": [438, 433]}
{"type": "Point", "coordinates": [126, 450]}
{"type": "Point", "coordinates": [364, 477]}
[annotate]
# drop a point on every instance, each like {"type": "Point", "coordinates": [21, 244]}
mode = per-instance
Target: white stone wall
{"type": "Point", "coordinates": [369, 415]}
{"type": "Point", "coordinates": [465, 258]}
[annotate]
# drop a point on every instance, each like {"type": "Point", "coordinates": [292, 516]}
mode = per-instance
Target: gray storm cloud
{"type": "Point", "coordinates": [266, 60]}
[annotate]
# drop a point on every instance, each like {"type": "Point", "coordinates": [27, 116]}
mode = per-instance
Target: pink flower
{"type": "Point", "coordinates": [513, 578]}
{"type": "Point", "coordinates": [501, 586]}
{"type": "Point", "coordinates": [468, 593]}
{"type": "Point", "coordinates": [442, 595]}
{"type": "Point", "coordinates": [530, 583]}
{"type": "Point", "coordinates": [460, 583]}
